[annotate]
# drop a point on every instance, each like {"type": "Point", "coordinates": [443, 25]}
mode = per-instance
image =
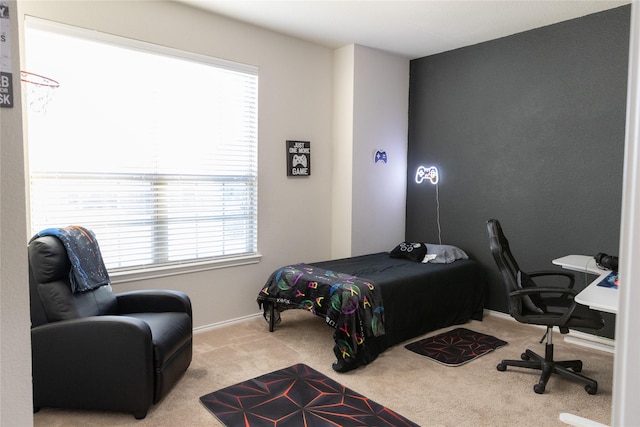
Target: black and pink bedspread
{"type": "Point", "coordinates": [350, 304]}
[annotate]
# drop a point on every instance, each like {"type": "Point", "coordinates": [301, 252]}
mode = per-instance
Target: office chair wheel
{"type": "Point", "coordinates": [501, 367]}
{"type": "Point", "coordinates": [590, 389]}
{"type": "Point", "coordinates": [578, 368]}
{"type": "Point", "coordinates": [539, 388]}
{"type": "Point", "coordinates": [525, 356]}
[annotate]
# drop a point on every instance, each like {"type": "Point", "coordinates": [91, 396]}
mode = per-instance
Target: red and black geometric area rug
{"type": "Point", "coordinates": [297, 396]}
{"type": "Point", "coordinates": [456, 347]}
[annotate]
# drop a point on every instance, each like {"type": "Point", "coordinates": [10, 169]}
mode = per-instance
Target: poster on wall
{"type": "Point", "coordinates": [6, 77]}
{"type": "Point", "coordinates": [380, 156]}
{"type": "Point", "coordinates": [298, 158]}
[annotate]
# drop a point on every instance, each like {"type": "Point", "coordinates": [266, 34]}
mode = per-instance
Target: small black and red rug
{"type": "Point", "coordinates": [456, 347]}
{"type": "Point", "coordinates": [297, 396]}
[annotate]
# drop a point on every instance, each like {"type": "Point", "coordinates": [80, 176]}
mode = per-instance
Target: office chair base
{"type": "Point", "coordinates": [565, 368]}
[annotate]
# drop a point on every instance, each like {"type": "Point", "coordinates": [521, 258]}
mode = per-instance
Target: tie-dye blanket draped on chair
{"type": "Point", "coordinates": [87, 267]}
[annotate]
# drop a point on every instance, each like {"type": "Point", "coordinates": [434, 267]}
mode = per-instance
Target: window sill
{"type": "Point", "coordinates": [174, 270]}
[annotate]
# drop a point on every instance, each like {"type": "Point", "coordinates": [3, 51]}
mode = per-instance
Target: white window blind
{"type": "Point", "coordinates": [153, 149]}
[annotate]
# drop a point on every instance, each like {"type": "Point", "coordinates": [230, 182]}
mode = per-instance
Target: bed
{"type": "Point", "coordinates": [378, 300]}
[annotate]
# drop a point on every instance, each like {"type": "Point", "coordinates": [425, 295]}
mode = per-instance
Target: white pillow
{"type": "Point", "coordinates": [443, 254]}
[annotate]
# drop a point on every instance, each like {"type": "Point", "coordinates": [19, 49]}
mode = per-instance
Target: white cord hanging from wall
{"type": "Point", "coordinates": [431, 174]}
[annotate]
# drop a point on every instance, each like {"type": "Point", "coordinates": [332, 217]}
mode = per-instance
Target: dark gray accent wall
{"type": "Point", "coordinates": [528, 129]}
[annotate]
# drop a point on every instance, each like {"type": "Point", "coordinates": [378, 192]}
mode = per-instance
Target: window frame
{"type": "Point", "coordinates": [134, 273]}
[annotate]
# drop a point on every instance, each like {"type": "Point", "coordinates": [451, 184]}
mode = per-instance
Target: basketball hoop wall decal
{"type": "Point", "coordinates": [39, 90]}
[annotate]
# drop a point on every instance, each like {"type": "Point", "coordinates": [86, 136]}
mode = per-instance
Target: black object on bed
{"type": "Point", "coordinates": [399, 299]}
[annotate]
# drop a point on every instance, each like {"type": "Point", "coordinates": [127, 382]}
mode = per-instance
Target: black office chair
{"type": "Point", "coordinates": [548, 306]}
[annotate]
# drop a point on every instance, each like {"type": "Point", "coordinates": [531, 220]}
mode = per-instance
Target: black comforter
{"type": "Point", "coordinates": [416, 298]}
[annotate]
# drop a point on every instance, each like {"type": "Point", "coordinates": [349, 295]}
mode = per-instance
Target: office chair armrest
{"type": "Point", "coordinates": [567, 274]}
{"type": "Point", "coordinates": [546, 290]}
{"type": "Point", "coordinates": [562, 320]}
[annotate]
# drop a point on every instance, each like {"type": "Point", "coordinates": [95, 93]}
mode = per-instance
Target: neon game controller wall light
{"type": "Point", "coordinates": [427, 173]}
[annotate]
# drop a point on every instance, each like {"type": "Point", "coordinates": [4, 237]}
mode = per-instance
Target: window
{"type": "Point", "coordinates": [153, 149]}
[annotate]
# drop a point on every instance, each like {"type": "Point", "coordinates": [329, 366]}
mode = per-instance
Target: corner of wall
{"type": "Point", "coordinates": [371, 98]}
{"type": "Point", "coordinates": [342, 164]}
{"type": "Point", "coordinates": [15, 361]}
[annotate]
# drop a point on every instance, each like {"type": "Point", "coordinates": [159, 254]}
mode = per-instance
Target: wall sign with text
{"type": "Point", "coordinates": [6, 77]}
{"type": "Point", "coordinates": [298, 158]}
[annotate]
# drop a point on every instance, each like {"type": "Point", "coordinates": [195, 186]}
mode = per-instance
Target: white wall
{"type": "Point", "coordinates": [626, 373]}
{"type": "Point", "coordinates": [342, 174]}
{"type": "Point", "coordinates": [381, 105]}
{"type": "Point", "coordinates": [371, 90]}
{"type": "Point", "coordinates": [295, 90]}
{"type": "Point", "coordinates": [15, 345]}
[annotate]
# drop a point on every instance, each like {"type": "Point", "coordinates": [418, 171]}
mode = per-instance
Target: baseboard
{"type": "Point", "coordinates": [577, 421]}
{"type": "Point", "coordinates": [591, 341]}
{"type": "Point", "coordinates": [498, 314]}
{"type": "Point", "coordinates": [222, 324]}
{"type": "Point", "coordinates": [574, 337]}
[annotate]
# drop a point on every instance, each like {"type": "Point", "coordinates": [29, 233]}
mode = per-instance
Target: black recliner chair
{"type": "Point", "coordinates": [548, 306]}
{"type": "Point", "coordinates": [99, 350]}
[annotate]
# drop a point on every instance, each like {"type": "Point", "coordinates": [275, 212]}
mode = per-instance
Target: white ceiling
{"type": "Point", "coordinates": [408, 28]}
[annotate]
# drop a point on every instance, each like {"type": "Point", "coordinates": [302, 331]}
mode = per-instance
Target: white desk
{"type": "Point", "coordinates": [597, 297]}
{"type": "Point", "coordinates": [581, 263]}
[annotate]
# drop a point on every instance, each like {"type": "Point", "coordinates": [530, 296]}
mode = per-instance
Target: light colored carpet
{"type": "Point", "coordinates": [428, 393]}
